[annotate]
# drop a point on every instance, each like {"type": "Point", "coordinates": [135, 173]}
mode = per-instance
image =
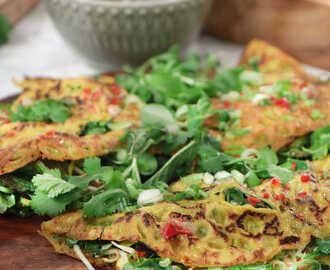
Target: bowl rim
{"type": "Point", "coordinates": [130, 3]}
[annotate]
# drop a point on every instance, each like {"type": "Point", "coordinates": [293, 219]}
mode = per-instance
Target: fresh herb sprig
{"type": "Point", "coordinates": [315, 145]}
{"type": "Point", "coordinates": [48, 110]}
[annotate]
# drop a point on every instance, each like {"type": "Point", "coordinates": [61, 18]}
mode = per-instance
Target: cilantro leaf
{"type": "Point", "coordinates": [105, 203]}
{"type": "Point", "coordinates": [266, 157]}
{"type": "Point", "coordinates": [51, 185]}
{"type": "Point", "coordinates": [92, 165]}
{"type": "Point", "coordinates": [156, 114]}
{"type": "Point", "coordinates": [42, 204]}
{"type": "Point", "coordinates": [228, 80]}
{"type": "Point", "coordinates": [49, 110]}
{"type": "Point", "coordinates": [284, 174]}
{"type": "Point", "coordinates": [6, 201]}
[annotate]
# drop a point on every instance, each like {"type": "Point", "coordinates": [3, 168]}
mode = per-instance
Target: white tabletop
{"type": "Point", "coordinates": [36, 49]}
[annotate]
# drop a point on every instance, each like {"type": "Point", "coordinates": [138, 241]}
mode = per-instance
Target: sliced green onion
{"type": "Point", "coordinates": [150, 196]}
{"type": "Point", "coordinates": [193, 178]}
{"type": "Point", "coordinates": [239, 177]}
{"type": "Point", "coordinates": [208, 178]}
{"type": "Point", "coordinates": [309, 102]}
{"type": "Point", "coordinates": [316, 114]}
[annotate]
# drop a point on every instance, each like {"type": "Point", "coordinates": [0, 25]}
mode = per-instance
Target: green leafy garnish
{"type": "Point", "coordinates": [239, 197]}
{"type": "Point", "coordinates": [48, 110]}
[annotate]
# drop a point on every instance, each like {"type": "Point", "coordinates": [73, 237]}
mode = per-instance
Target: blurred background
{"type": "Point", "coordinates": [64, 38]}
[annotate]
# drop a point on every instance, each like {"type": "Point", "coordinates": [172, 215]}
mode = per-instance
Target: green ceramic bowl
{"type": "Point", "coordinates": [127, 31]}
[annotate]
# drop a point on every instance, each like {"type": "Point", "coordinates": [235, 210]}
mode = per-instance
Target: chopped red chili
{"type": "Point", "coordinates": [305, 178]}
{"type": "Point", "coordinates": [141, 253]}
{"type": "Point", "coordinates": [253, 200]}
{"type": "Point", "coordinates": [276, 197]}
{"type": "Point", "coordinates": [298, 259]}
{"type": "Point", "coordinates": [304, 84]}
{"type": "Point", "coordinates": [226, 104]}
{"type": "Point", "coordinates": [115, 101]}
{"type": "Point", "coordinates": [10, 134]}
{"type": "Point", "coordinates": [42, 136]}
{"type": "Point", "coordinates": [302, 194]}
{"type": "Point", "coordinates": [282, 197]}
{"type": "Point", "coordinates": [173, 228]}
{"type": "Point", "coordinates": [7, 121]}
{"type": "Point", "coordinates": [293, 165]}
{"type": "Point", "coordinates": [283, 102]}
{"type": "Point", "coordinates": [266, 195]}
{"type": "Point", "coordinates": [87, 91]}
{"type": "Point", "coordinates": [50, 133]}
{"type": "Point", "coordinates": [115, 89]}
{"type": "Point", "coordinates": [276, 182]}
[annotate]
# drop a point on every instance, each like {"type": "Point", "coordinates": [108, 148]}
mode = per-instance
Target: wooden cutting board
{"type": "Point", "coordinates": [14, 10]}
{"type": "Point", "coordinates": [22, 248]}
{"type": "Point", "coordinates": [299, 27]}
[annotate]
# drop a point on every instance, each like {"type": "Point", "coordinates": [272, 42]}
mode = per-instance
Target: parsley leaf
{"type": "Point", "coordinates": [48, 110]}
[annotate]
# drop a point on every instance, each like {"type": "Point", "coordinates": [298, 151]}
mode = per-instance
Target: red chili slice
{"type": "Point", "coordinates": [115, 101]}
{"type": "Point", "coordinates": [302, 194]}
{"type": "Point", "coordinates": [115, 89]}
{"type": "Point", "coordinates": [276, 182]}
{"type": "Point", "coordinates": [253, 200]}
{"type": "Point", "coordinates": [141, 253]}
{"type": "Point", "coordinates": [173, 228]}
{"type": "Point", "coordinates": [226, 104]}
{"type": "Point", "coordinates": [87, 91]}
{"type": "Point", "coordinates": [305, 178]}
{"type": "Point", "coordinates": [283, 102]}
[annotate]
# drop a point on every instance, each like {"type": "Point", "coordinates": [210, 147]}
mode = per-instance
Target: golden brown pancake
{"type": "Point", "coordinates": [273, 62]}
{"type": "Point", "coordinates": [222, 234]}
{"type": "Point", "coordinates": [23, 142]}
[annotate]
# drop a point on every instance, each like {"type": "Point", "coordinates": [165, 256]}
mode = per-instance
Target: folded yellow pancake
{"type": "Point", "coordinates": [222, 234]}
{"type": "Point", "coordinates": [273, 125]}
{"type": "Point", "coordinates": [273, 62]}
{"type": "Point", "coordinates": [23, 142]}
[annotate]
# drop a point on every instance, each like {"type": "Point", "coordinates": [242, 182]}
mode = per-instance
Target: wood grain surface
{"type": "Point", "coordinates": [22, 248]}
{"type": "Point", "coordinates": [300, 27]}
{"type": "Point", "coordinates": [14, 10]}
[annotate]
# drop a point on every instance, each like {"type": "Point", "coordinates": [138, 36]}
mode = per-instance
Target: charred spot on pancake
{"type": "Point", "coordinates": [148, 219]}
{"type": "Point", "coordinates": [289, 240]}
{"type": "Point", "coordinates": [128, 216]}
{"type": "Point", "coordinates": [192, 240]}
{"type": "Point", "coordinates": [258, 253]}
{"type": "Point", "coordinates": [218, 230]}
{"type": "Point", "coordinates": [271, 228]}
{"type": "Point", "coordinates": [248, 223]}
{"type": "Point", "coordinates": [231, 228]}
{"type": "Point", "coordinates": [175, 215]}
